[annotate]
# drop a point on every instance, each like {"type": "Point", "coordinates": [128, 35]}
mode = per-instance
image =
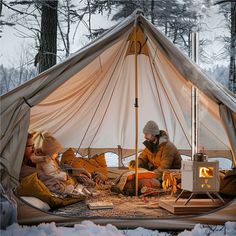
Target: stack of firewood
{"type": "Point", "coordinates": [171, 181]}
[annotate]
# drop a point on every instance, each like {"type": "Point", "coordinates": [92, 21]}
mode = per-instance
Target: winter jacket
{"type": "Point", "coordinates": [49, 166]}
{"type": "Point", "coordinates": [160, 156]}
{"type": "Point", "coordinates": [52, 175]}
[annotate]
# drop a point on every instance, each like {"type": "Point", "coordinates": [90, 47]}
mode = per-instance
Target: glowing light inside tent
{"type": "Point", "coordinates": [206, 185]}
{"type": "Point", "coordinates": [206, 172]}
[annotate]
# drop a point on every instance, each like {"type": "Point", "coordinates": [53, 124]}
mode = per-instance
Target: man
{"type": "Point", "coordinates": [29, 151]}
{"type": "Point", "coordinates": [160, 153]}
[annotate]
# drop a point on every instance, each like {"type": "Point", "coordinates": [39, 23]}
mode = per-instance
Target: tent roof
{"type": "Point", "coordinates": [87, 100]}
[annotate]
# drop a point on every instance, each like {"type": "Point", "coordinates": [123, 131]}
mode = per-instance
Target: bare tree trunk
{"type": "Point", "coordinates": [232, 67]}
{"type": "Point", "coordinates": [152, 11]}
{"type": "Point", "coordinates": [166, 27]}
{"type": "Point", "coordinates": [189, 43]}
{"type": "Point", "coordinates": [5, 80]}
{"type": "Point", "coordinates": [48, 42]}
{"type": "Point", "coordinates": [0, 8]}
{"type": "Point", "coordinates": [89, 19]}
{"type": "Point", "coordinates": [68, 29]}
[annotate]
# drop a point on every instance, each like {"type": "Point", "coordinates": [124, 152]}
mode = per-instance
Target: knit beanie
{"type": "Point", "coordinates": [50, 145]}
{"type": "Point", "coordinates": [151, 128]}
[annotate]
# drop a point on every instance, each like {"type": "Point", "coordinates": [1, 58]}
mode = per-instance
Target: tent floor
{"type": "Point", "coordinates": [127, 212]}
{"type": "Point", "coordinates": [131, 207]}
{"type": "Point", "coordinates": [123, 206]}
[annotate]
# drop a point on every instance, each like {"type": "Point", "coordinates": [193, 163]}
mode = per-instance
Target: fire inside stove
{"type": "Point", "coordinates": [206, 172]}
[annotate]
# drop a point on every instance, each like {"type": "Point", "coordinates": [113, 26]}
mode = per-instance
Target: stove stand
{"type": "Point", "coordinates": [207, 193]}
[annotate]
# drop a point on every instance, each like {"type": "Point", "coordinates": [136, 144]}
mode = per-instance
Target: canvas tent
{"type": "Point", "coordinates": [87, 101]}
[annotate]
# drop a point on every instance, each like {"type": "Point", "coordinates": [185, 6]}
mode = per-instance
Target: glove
{"type": "Point", "coordinates": [131, 165]}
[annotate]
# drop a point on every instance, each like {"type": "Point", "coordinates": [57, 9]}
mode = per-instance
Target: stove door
{"type": "Point", "coordinates": [207, 178]}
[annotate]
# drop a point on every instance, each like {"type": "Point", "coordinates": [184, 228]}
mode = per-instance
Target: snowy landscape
{"type": "Point", "coordinates": [88, 228]}
{"type": "Point", "coordinates": [17, 57]}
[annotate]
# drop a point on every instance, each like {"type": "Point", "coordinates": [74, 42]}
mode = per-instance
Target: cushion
{"type": "Point", "coordinates": [142, 175]}
{"type": "Point", "coordinates": [129, 177]}
{"type": "Point", "coordinates": [31, 186]}
{"type": "Point", "coordinates": [228, 183]}
{"type": "Point", "coordinates": [36, 202]}
{"type": "Point", "coordinates": [93, 164]}
{"type": "Point", "coordinates": [150, 184]}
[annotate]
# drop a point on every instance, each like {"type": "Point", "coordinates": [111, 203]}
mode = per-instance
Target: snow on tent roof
{"type": "Point", "coordinates": [87, 101]}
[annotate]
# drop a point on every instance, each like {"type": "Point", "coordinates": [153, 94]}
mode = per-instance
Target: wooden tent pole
{"type": "Point", "coordinates": [136, 110]}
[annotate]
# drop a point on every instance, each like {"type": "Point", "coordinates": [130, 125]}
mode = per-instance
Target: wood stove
{"type": "Point", "coordinates": [200, 177]}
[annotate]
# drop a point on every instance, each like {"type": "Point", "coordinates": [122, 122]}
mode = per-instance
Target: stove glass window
{"type": "Point", "coordinates": [206, 172]}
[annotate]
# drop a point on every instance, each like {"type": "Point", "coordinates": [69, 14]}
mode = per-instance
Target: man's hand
{"type": "Point", "coordinates": [131, 165]}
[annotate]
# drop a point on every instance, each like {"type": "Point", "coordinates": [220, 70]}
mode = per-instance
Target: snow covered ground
{"type": "Point", "coordinates": [88, 228]}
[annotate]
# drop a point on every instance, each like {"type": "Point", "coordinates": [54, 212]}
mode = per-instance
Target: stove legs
{"type": "Point", "coordinates": [208, 194]}
{"type": "Point", "coordinates": [179, 196]}
{"type": "Point", "coordinates": [189, 199]}
{"type": "Point", "coordinates": [218, 195]}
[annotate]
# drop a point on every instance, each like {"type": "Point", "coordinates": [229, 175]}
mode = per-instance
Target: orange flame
{"type": "Point", "coordinates": [206, 172]}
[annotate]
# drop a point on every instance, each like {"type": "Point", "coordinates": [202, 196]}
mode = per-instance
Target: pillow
{"type": "Point", "coordinates": [93, 164]}
{"type": "Point", "coordinates": [125, 183]}
{"type": "Point", "coordinates": [36, 202]}
{"type": "Point", "coordinates": [142, 175]}
{"type": "Point", "coordinates": [149, 184]}
{"type": "Point", "coordinates": [129, 177]}
{"type": "Point", "coordinates": [68, 157]}
{"type": "Point", "coordinates": [31, 186]}
{"type": "Point", "coordinates": [228, 183]}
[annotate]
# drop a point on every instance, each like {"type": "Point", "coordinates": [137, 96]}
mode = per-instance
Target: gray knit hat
{"type": "Point", "coordinates": [151, 128]}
